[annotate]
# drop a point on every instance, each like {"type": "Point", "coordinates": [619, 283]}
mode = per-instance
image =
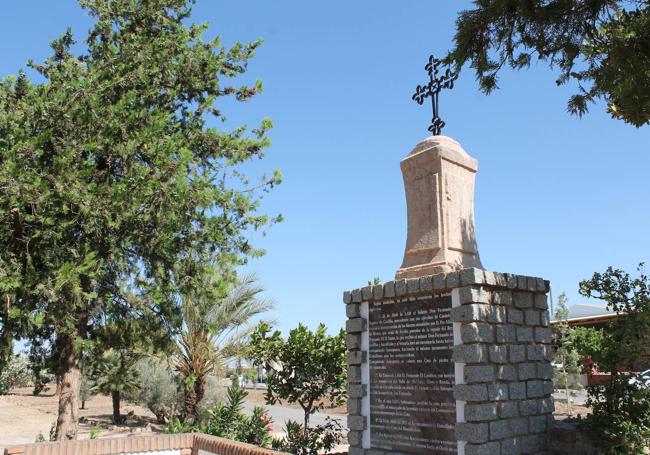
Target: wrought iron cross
{"type": "Point", "coordinates": [432, 89]}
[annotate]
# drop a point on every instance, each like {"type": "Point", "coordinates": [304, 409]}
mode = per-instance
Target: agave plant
{"type": "Point", "coordinates": [216, 325]}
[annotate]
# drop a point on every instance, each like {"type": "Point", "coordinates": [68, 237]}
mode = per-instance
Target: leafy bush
{"type": "Point", "coordinates": [214, 394]}
{"type": "Point", "coordinates": [15, 374]}
{"type": "Point", "coordinates": [159, 390]}
{"type": "Point", "coordinates": [298, 441]}
{"type": "Point", "coordinates": [620, 419]}
{"type": "Point", "coordinates": [176, 425]}
{"type": "Point", "coordinates": [228, 420]}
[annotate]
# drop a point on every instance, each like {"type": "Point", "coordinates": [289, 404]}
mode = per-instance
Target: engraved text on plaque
{"type": "Point", "coordinates": [412, 409]}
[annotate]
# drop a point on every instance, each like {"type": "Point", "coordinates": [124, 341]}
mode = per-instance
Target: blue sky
{"type": "Point", "coordinates": [556, 196]}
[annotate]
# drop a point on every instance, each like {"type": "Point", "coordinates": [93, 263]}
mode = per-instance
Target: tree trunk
{"type": "Point", "coordinates": [6, 336]}
{"type": "Point", "coordinates": [193, 396]}
{"type": "Point", "coordinates": [189, 404]}
{"type": "Point", "coordinates": [117, 418]}
{"type": "Point", "coordinates": [307, 410]}
{"type": "Point", "coordinates": [70, 384]}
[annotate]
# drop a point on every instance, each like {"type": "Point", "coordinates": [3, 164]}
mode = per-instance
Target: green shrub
{"type": "Point", "coordinates": [176, 425]}
{"type": "Point", "coordinates": [15, 374]}
{"type": "Point", "coordinates": [298, 441]}
{"type": "Point", "coordinates": [159, 390]}
{"type": "Point", "coordinates": [228, 420]}
{"type": "Point", "coordinates": [620, 419]}
{"type": "Point", "coordinates": [95, 432]}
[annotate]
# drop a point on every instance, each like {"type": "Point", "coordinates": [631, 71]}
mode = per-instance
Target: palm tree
{"type": "Point", "coordinates": [114, 373]}
{"type": "Point", "coordinates": [216, 325]}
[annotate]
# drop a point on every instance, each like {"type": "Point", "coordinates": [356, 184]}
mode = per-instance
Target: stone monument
{"type": "Point", "coordinates": [448, 358]}
{"type": "Point", "coordinates": [439, 184]}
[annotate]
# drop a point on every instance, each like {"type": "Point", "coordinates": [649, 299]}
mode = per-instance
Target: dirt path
{"type": "Point", "coordinates": [23, 417]}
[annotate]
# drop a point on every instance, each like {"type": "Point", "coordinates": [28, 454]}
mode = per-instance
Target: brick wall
{"type": "Point", "coordinates": [188, 444]}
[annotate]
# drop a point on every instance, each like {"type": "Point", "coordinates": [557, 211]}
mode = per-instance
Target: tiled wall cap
{"type": "Point", "coordinates": [147, 443]}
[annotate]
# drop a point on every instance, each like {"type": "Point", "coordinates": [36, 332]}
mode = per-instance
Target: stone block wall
{"type": "Point", "coordinates": [502, 354]}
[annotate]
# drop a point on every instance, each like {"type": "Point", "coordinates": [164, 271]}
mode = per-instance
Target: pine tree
{"type": "Point", "coordinates": [601, 45]}
{"type": "Point", "coordinates": [111, 179]}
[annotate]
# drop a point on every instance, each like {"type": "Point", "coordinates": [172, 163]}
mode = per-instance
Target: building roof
{"type": "Point", "coordinates": [587, 314]}
{"type": "Point", "coordinates": [582, 310]}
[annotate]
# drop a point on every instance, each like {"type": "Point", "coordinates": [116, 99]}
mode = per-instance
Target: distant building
{"type": "Point", "coordinates": [597, 317]}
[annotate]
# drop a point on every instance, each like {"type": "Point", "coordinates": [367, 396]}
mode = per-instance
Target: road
{"type": "Point", "coordinates": [280, 414]}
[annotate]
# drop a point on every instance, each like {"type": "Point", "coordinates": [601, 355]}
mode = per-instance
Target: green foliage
{"type": "Point", "coordinates": [566, 357]}
{"type": "Point", "coordinates": [626, 338]}
{"type": "Point", "coordinates": [94, 432]}
{"type": "Point", "coordinates": [620, 418]}
{"type": "Point", "coordinates": [216, 316]}
{"type": "Point", "coordinates": [113, 182]}
{"type": "Point", "coordinates": [576, 387]}
{"type": "Point", "coordinates": [602, 45]}
{"type": "Point", "coordinates": [315, 440]}
{"type": "Point", "coordinates": [590, 343]}
{"type": "Point", "coordinates": [86, 391]}
{"type": "Point", "coordinates": [305, 368]}
{"type": "Point", "coordinates": [159, 388]}
{"type": "Point", "coordinates": [375, 281]}
{"type": "Point", "coordinates": [176, 425]}
{"type": "Point", "coordinates": [228, 420]}
{"type": "Point", "coordinates": [16, 373]}
{"type": "Point", "coordinates": [114, 373]}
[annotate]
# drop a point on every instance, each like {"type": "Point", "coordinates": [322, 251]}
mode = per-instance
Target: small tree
{"type": "Point", "coordinates": [305, 368]}
{"type": "Point", "coordinates": [86, 389]}
{"type": "Point", "coordinates": [620, 418]}
{"type": "Point", "coordinates": [566, 356]}
{"type": "Point", "coordinates": [216, 315]}
{"type": "Point", "coordinates": [160, 388]}
{"type": "Point", "coordinates": [113, 374]}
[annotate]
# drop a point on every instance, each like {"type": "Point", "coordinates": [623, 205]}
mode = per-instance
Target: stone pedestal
{"type": "Point", "coordinates": [454, 363]}
{"type": "Point", "coordinates": [439, 185]}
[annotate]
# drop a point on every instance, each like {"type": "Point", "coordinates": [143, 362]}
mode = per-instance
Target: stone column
{"type": "Point", "coordinates": [439, 185]}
